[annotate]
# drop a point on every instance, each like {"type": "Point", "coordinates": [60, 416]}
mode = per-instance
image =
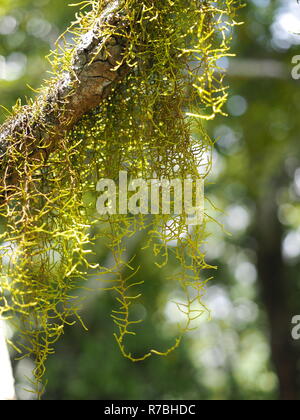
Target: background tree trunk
{"type": "Point", "coordinates": [275, 291]}
{"type": "Point", "coordinates": [7, 390]}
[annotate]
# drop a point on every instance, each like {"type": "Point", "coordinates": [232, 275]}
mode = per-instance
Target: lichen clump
{"type": "Point", "coordinates": [151, 126]}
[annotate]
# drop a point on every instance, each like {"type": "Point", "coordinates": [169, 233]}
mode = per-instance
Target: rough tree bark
{"type": "Point", "coordinates": [90, 80]}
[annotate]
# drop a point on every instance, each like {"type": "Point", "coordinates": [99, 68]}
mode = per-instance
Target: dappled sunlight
{"type": "Point", "coordinates": [286, 26]}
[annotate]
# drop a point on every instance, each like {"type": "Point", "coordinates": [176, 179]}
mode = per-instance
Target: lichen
{"type": "Point", "coordinates": [151, 125]}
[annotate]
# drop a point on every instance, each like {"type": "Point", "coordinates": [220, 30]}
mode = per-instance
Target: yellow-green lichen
{"type": "Point", "coordinates": [146, 127]}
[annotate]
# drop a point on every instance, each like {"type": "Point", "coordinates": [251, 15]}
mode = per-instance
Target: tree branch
{"type": "Point", "coordinates": [94, 71]}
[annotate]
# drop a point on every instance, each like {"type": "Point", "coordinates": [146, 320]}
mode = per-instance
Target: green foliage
{"type": "Point", "coordinates": [144, 127]}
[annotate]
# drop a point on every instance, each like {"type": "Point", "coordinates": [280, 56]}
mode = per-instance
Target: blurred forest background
{"type": "Point", "coordinates": [246, 352]}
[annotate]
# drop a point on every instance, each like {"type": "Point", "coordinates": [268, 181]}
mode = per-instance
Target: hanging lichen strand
{"type": "Point", "coordinates": [149, 125]}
